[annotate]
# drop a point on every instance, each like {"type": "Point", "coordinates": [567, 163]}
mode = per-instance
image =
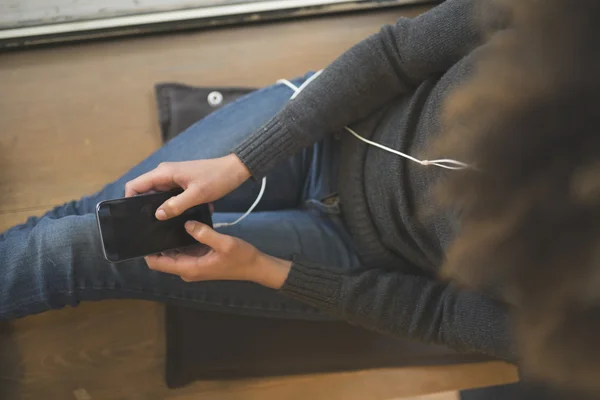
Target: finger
{"type": "Point", "coordinates": [170, 264]}
{"type": "Point", "coordinates": [160, 178]}
{"type": "Point", "coordinates": [161, 263]}
{"type": "Point", "coordinates": [184, 265]}
{"type": "Point", "coordinates": [208, 236]}
{"type": "Point", "coordinates": [169, 253]}
{"type": "Point", "coordinates": [199, 250]}
{"type": "Point", "coordinates": [178, 204]}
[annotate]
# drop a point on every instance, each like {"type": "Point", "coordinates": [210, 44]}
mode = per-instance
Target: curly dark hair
{"type": "Point", "coordinates": [528, 120]}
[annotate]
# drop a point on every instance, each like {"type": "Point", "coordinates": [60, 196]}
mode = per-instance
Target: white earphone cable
{"type": "Point", "coordinates": [442, 163]}
{"type": "Point", "coordinates": [263, 186]}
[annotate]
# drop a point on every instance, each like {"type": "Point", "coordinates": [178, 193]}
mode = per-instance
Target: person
{"type": "Point", "coordinates": [344, 230]}
{"type": "Point", "coordinates": [342, 211]}
{"type": "Point", "coordinates": [335, 228]}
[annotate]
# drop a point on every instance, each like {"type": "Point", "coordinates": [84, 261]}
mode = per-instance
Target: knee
{"type": "Point", "coordinates": [65, 236]}
{"type": "Point", "coordinates": [58, 250]}
{"type": "Point", "coordinates": [43, 265]}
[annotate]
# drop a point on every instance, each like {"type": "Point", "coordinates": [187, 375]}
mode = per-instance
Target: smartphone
{"type": "Point", "coordinates": [129, 229]}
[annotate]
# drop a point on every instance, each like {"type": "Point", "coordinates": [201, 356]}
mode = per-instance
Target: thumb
{"type": "Point", "coordinates": [178, 204]}
{"type": "Point", "coordinates": [205, 234]}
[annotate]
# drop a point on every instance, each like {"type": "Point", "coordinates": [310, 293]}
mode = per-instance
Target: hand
{"type": "Point", "coordinates": [229, 258]}
{"type": "Point", "coordinates": [203, 181]}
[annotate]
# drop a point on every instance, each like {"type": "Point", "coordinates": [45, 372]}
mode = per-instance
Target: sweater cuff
{"type": "Point", "coordinates": [314, 285]}
{"type": "Point", "coordinates": [265, 147]}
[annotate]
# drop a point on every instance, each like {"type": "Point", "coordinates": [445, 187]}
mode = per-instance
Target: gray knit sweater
{"type": "Point", "coordinates": [390, 87]}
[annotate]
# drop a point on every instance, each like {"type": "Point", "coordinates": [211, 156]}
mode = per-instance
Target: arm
{"type": "Point", "coordinates": [386, 301]}
{"type": "Point", "coordinates": [383, 66]}
{"type": "Point", "coordinates": [360, 81]}
{"type": "Point", "coordinates": [408, 306]}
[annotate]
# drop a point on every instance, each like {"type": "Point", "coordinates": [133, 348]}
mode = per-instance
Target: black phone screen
{"type": "Point", "coordinates": [129, 228]}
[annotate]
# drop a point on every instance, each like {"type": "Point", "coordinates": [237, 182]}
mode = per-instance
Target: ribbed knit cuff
{"type": "Point", "coordinates": [267, 146]}
{"type": "Point", "coordinates": [314, 285]}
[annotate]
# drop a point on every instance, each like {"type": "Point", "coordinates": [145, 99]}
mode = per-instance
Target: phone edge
{"type": "Point", "coordinates": [100, 233]}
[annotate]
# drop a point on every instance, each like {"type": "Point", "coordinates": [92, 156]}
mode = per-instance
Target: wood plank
{"type": "Point", "coordinates": [436, 396]}
{"type": "Point", "coordinates": [109, 350]}
{"type": "Point", "coordinates": [12, 218]}
{"type": "Point", "coordinates": [364, 385]}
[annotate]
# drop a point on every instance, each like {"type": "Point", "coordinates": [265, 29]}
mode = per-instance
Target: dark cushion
{"type": "Point", "coordinates": [209, 345]}
{"type": "Point", "coordinates": [179, 106]}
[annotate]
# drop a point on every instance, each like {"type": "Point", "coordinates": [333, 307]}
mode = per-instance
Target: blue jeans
{"type": "Point", "coordinates": [56, 260]}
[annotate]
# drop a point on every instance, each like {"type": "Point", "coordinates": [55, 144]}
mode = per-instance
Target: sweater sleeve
{"type": "Point", "coordinates": [408, 306]}
{"type": "Point", "coordinates": [363, 79]}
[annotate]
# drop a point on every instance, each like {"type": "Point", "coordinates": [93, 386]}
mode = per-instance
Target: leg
{"type": "Point", "coordinates": [215, 136]}
{"type": "Point", "coordinates": [58, 262]}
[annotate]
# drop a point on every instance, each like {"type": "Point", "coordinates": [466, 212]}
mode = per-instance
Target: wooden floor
{"type": "Point", "coordinates": [75, 117]}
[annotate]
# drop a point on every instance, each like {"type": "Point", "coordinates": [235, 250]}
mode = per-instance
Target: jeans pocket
{"type": "Point", "coordinates": [328, 205]}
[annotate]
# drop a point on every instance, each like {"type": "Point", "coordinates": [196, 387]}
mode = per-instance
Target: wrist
{"type": "Point", "coordinates": [237, 168]}
{"type": "Point", "coordinates": [272, 272]}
